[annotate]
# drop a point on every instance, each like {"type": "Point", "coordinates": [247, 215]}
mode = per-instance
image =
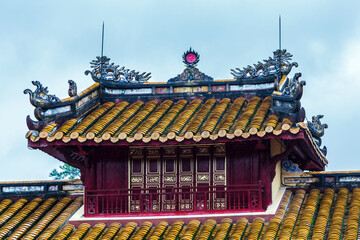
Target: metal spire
{"type": "Point", "coordinates": [102, 50]}
{"type": "Point", "coordinates": [279, 32]}
{"type": "Point", "coordinates": [102, 40]}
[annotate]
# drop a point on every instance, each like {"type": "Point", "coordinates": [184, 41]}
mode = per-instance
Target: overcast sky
{"type": "Point", "coordinates": [52, 42]}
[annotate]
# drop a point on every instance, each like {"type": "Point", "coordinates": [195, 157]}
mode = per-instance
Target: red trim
{"type": "Point", "coordinates": [307, 146]}
{"type": "Point", "coordinates": [317, 164]}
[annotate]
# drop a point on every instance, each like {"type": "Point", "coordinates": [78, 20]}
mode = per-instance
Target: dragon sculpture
{"type": "Point", "coordinates": [279, 64]}
{"type": "Point", "coordinates": [317, 130]}
{"type": "Point", "coordinates": [103, 70]}
{"type": "Point", "coordinates": [285, 100]}
{"type": "Point", "coordinates": [293, 87]}
{"type": "Point", "coordinates": [40, 96]}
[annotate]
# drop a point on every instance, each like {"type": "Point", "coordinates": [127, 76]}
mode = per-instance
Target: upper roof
{"type": "Point", "coordinates": [179, 121]}
{"type": "Point", "coordinates": [122, 107]}
{"type": "Point", "coordinates": [119, 84]}
{"type": "Point", "coordinates": [168, 120]}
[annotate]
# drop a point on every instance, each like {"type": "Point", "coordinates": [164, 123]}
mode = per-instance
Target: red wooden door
{"type": "Point", "coordinates": [177, 178]}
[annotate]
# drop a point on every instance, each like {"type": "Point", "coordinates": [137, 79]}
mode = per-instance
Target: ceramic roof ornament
{"type": "Point", "coordinates": [40, 95]}
{"type": "Point", "coordinates": [191, 72]}
{"type": "Point", "coordinates": [280, 64]}
{"type": "Point", "coordinates": [103, 70]}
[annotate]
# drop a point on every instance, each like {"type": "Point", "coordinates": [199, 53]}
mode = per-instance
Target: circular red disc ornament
{"type": "Point", "coordinates": [190, 57]}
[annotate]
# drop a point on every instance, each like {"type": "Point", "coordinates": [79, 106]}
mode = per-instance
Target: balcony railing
{"type": "Point", "coordinates": [169, 200]}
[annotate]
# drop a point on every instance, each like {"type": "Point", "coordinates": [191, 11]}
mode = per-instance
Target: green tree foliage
{"type": "Point", "coordinates": [66, 172]}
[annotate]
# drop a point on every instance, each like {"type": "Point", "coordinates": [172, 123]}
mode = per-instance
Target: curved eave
{"type": "Point", "coordinates": [301, 135]}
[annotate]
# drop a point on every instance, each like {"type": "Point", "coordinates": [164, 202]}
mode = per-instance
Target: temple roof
{"type": "Point", "coordinates": [169, 119]}
{"type": "Point", "coordinates": [30, 218]}
{"type": "Point", "coordinates": [311, 214]}
{"type": "Point", "coordinates": [183, 120]}
{"type": "Point", "coordinates": [123, 108]}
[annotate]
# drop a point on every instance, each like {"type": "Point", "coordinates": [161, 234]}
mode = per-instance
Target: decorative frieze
{"type": "Point", "coordinates": [53, 188]}
{"type": "Point", "coordinates": [169, 207]}
{"type": "Point", "coordinates": [23, 189]}
{"type": "Point", "coordinates": [349, 179]}
{"type": "Point", "coordinates": [132, 91]}
{"type": "Point", "coordinates": [169, 178]}
{"type": "Point", "coordinates": [219, 205]}
{"type": "Point", "coordinates": [220, 177]}
{"type": "Point", "coordinates": [55, 111]}
{"type": "Point", "coordinates": [203, 177]}
{"type": "Point", "coordinates": [191, 89]}
{"type": "Point", "coordinates": [162, 90]}
{"type": "Point", "coordinates": [155, 208]}
{"type": "Point", "coordinates": [186, 178]}
{"type": "Point", "coordinates": [252, 87]}
{"type": "Point", "coordinates": [220, 148]}
{"type": "Point", "coordinates": [153, 152]}
{"type": "Point", "coordinates": [135, 208]}
{"type": "Point", "coordinates": [299, 180]}
{"type": "Point", "coordinates": [86, 99]}
{"type": "Point", "coordinates": [186, 207]}
{"type": "Point", "coordinates": [170, 151]}
{"type": "Point", "coordinates": [137, 179]}
{"type": "Point", "coordinates": [153, 179]}
{"type": "Point", "coordinates": [136, 152]}
{"type": "Point", "coordinates": [203, 150]}
{"type": "Point", "coordinates": [330, 179]}
{"type": "Point", "coordinates": [186, 151]}
{"type": "Point", "coordinates": [219, 88]}
{"type": "Point", "coordinates": [73, 187]}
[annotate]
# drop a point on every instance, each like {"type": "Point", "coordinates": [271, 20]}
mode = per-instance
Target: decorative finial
{"type": "Point", "coordinates": [191, 58]}
{"type": "Point", "coordinates": [72, 88]}
{"type": "Point", "coordinates": [191, 73]}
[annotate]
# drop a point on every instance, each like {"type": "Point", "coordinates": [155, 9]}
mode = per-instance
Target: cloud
{"type": "Point", "coordinates": [334, 92]}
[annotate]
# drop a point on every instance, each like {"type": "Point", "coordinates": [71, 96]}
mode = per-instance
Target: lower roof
{"type": "Point", "coordinates": [301, 214]}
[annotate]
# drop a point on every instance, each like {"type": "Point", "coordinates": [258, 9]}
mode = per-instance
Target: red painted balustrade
{"type": "Point", "coordinates": [150, 201]}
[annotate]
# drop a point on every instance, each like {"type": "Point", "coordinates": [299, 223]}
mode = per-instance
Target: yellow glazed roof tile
{"type": "Point", "coordinates": [301, 214]}
{"type": "Point", "coordinates": [163, 121]}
